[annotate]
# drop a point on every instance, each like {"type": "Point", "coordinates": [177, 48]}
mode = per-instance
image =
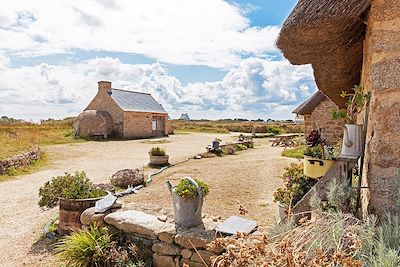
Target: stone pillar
{"type": "Point", "coordinates": [104, 87]}
{"type": "Point", "coordinates": [381, 77]}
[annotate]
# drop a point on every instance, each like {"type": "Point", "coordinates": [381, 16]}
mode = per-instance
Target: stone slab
{"type": "Point", "coordinates": [138, 222]}
{"type": "Point", "coordinates": [235, 224]}
{"type": "Point", "coordinates": [197, 236]}
{"type": "Point", "coordinates": [166, 249]}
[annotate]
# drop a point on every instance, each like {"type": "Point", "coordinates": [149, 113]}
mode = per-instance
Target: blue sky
{"type": "Point", "coordinates": [211, 58]}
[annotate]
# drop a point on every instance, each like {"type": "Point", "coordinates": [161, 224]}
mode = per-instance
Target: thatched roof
{"type": "Point", "coordinates": [327, 34]}
{"type": "Point", "coordinates": [310, 104]}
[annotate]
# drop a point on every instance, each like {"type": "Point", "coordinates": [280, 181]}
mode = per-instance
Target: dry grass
{"type": "Point", "coordinates": [18, 137]}
{"type": "Point", "coordinates": [236, 126]}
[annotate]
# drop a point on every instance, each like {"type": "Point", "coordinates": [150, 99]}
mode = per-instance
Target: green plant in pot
{"type": "Point", "coordinates": [353, 138]}
{"type": "Point", "coordinates": [158, 157]}
{"type": "Point", "coordinates": [318, 157]}
{"type": "Point", "coordinates": [187, 199]}
{"type": "Point", "coordinates": [74, 193]}
{"type": "Point", "coordinates": [296, 185]}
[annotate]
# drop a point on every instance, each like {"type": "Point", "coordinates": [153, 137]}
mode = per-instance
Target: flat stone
{"type": "Point", "coordinates": [236, 224]}
{"type": "Point", "coordinates": [186, 253]}
{"type": "Point", "coordinates": [163, 260]}
{"type": "Point", "coordinates": [162, 218]}
{"type": "Point", "coordinates": [167, 236]}
{"type": "Point", "coordinates": [166, 249]}
{"type": "Point", "coordinates": [89, 217]}
{"type": "Point", "coordinates": [198, 237]}
{"type": "Point", "coordinates": [204, 254]}
{"type": "Point", "coordinates": [138, 222]}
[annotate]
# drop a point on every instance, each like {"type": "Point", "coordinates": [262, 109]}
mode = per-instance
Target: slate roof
{"type": "Point", "coordinates": [310, 104]}
{"type": "Point", "coordinates": [136, 101]}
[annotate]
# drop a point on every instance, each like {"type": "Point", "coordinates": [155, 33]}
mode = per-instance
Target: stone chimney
{"type": "Point", "coordinates": [104, 87]}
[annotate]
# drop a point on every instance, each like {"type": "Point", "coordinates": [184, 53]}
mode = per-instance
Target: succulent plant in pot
{"type": "Point", "coordinates": [158, 157]}
{"type": "Point", "coordinates": [187, 198]}
{"type": "Point", "coordinates": [318, 157]}
{"type": "Point", "coordinates": [74, 193]}
{"type": "Point", "coordinates": [353, 139]}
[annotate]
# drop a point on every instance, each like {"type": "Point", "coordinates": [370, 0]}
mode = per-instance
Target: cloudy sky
{"type": "Point", "coordinates": [210, 58]}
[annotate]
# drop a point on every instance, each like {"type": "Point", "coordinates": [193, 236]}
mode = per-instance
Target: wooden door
{"type": "Point", "coordinates": [158, 126]}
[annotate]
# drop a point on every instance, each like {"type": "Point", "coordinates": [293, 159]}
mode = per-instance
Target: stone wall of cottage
{"type": "Point", "coordinates": [19, 161]}
{"type": "Point", "coordinates": [103, 101]}
{"type": "Point", "coordinates": [322, 118]}
{"type": "Point", "coordinates": [137, 125]}
{"type": "Point", "coordinates": [308, 124]}
{"type": "Point", "coordinates": [381, 77]}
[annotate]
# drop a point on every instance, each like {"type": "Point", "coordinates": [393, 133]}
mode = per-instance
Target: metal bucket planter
{"type": "Point", "coordinates": [353, 140]}
{"type": "Point", "coordinates": [315, 167]}
{"type": "Point", "coordinates": [159, 160]}
{"type": "Point", "coordinates": [70, 211]}
{"type": "Point", "coordinates": [187, 211]}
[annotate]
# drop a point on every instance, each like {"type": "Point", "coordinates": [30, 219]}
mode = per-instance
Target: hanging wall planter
{"type": "Point", "coordinates": [315, 167]}
{"type": "Point", "coordinates": [353, 141]}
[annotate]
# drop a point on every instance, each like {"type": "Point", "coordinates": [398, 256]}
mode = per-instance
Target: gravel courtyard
{"type": "Point", "coordinates": [248, 178]}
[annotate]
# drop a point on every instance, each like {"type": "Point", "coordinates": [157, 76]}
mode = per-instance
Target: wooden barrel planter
{"type": "Point", "coordinates": [159, 160]}
{"type": "Point", "coordinates": [70, 211]}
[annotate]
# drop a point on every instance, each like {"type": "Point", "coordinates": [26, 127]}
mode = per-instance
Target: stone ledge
{"type": "Point", "coordinates": [19, 161]}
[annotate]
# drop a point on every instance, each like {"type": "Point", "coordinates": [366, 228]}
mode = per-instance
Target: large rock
{"type": "Point", "coordinates": [166, 249]}
{"type": "Point", "coordinates": [89, 217]}
{"type": "Point", "coordinates": [127, 177]}
{"type": "Point", "coordinates": [137, 222]}
{"type": "Point", "coordinates": [202, 254]}
{"type": "Point", "coordinates": [196, 236]}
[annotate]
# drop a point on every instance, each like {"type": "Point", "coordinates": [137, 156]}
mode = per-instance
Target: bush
{"type": "Point", "coordinates": [241, 147]}
{"type": "Point", "coordinates": [296, 152]}
{"type": "Point", "coordinates": [69, 133]}
{"type": "Point", "coordinates": [228, 150]}
{"type": "Point", "coordinates": [157, 151]}
{"type": "Point", "coordinates": [68, 186]}
{"type": "Point", "coordinates": [296, 185]}
{"type": "Point", "coordinates": [273, 129]}
{"type": "Point", "coordinates": [186, 189]}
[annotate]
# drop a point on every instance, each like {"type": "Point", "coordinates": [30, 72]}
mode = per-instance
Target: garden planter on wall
{"type": "Point", "coordinates": [159, 160]}
{"type": "Point", "coordinates": [315, 167]}
{"type": "Point", "coordinates": [187, 211]}
{"type": "Point", "coordinates": [353, 140]}
{"type": "Point", "coordinates": [70, 211]}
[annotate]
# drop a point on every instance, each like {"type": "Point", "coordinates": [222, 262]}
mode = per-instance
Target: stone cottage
{"type": "Point", "coordinates": [316, 112]}
{"type": "Point", "coordinates": [350, 42]}
{"type": "Point", "coordinates": [126, 114]}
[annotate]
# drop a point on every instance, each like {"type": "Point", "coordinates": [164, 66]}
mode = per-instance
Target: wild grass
{"type": "Point", "coordinates": [18, 137]}
{"type": "Point", "coordinates": [206, 126]}
{"type": "Point", "coordinates": [296, 152]}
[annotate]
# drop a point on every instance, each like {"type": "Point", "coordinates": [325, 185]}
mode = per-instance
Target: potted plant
{"type": "Point", "coordinates": [158, 157]}
{"type": "Point", "coordinates": [353, 138]}
{"type": "Point", "coordinates": [296, 185]}
{"type": "Point", "coordinates": [187, 199]}
{"type": "Point", "coordinates": [318, 157]}
{"type": "Point", "coordinates": [74, 193]}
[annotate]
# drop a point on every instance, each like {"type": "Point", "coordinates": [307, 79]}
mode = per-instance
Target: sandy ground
{"type": "Point", "coordinates": [249, 178]}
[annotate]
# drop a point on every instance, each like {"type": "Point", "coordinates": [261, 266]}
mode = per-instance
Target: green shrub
{"type": "Point", "coordinates": [69, 133]}
{"type": "Point", "coordinates": [157, 151]}
{"type": "Point", "coordinates": [296, 185]}
{"type": "Point", "coordinates": [273, 129]}
{"type": "Point", "coordinates": [296, 152]}
{"type": "Point", "coordinates": [186, 189]}
{"type": "Point", "coordinates": [85, 248]}
{"type": "Point", "coordinates": [241, 147]}
{"type": "Point", "coordinates": [228, 150]}
{"type": "Point", "coordinates": [68, 186]}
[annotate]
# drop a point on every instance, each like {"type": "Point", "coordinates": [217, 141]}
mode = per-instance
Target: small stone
{"type": "Point", "coordinates": [163, 260]}
{"type": "Point", "coordinates": [167, 236]}
{"type": "Point", "coordinates": [202, 254]}
{"type": "Point", "coordinates": [166, 249]}
{"type": "Point", "coordinates": [186, 253]}
{"type": "Point", "coordinates": [162, 218]}
{"type": "Point", "coordinates": [177, 261]}
{"type": "Point", "coordinates": [89, 217]}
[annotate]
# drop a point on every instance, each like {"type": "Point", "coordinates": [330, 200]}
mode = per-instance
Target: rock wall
{"type": "Point", "coordinates": [380, 76]}
{"type": "Point", "coordinates": [19, 161]}
{"type": "Point", "coordinates": [170, 246]}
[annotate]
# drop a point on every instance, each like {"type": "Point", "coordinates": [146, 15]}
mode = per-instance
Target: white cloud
{"type": "Point", "coordinates": [197, 32]}
{"type": "Point", "coordinates": [255, 88]}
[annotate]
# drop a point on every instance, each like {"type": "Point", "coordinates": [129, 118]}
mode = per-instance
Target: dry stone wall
{"type": "Point", "coordinates": [19, 161]}
{"type": "Point", "coordinates": [170, 246]}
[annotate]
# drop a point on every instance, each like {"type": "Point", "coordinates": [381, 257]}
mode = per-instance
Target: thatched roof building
{"type": "Point", "coordinates": [327, 34]}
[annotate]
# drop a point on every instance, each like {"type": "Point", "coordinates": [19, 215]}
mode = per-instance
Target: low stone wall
{"type": "Point", "coordinates": [169, 245]}
{"type": "Point", "coordinates": [19, 161]}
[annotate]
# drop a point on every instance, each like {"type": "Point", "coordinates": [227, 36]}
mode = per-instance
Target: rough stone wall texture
{"type": "Point", "coordinates": [322, 118]}
{"type": "Point", "coordinates": [308, 125]}
{"type": "Point", "coordinates": [169, 129]}
{"type": "Point", "coordinates": [381, 77]}
{"type": "Point", "coordinates": [139, 124]}
{"type": "Point", "coordinates": [19, 161]}
{"type": "Point", "coordinates": [103, 101]}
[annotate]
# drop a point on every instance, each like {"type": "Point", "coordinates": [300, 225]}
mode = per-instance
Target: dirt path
{"type": "Point", "coordinates": [21, 220]}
